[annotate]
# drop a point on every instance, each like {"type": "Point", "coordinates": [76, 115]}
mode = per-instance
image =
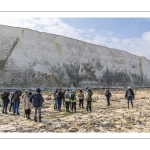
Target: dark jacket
{"type": "Point", "coordinates": [6, 98]}
{"type": "Point", "coordinates": [127, 94]}
{"type": "Point", "coordinates": [107, 93]}
{"type": "Point", "coordinates": [19, 93]}
{"type": "Point", "coordinates": [36, 99]}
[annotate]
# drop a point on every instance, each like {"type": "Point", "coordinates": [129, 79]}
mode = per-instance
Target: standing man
{"type": "Point", "coordinates": [108, 95]}
{"type": "Point", "coordinates": [15, 99]}
{"type": "Point", "coordinates": [129, 96]}
{"type": "Point", "coordinates": [5, 99]}
{"type": "Point", "coordinates": [36, 99]}
{"type": "Point", "coordinates": [89, 94]}
{"type": "Point", "coordinates": [59, 98]}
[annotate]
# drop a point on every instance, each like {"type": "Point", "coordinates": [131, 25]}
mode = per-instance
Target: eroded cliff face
{"type": "Point", "coordinates": [30, 58]}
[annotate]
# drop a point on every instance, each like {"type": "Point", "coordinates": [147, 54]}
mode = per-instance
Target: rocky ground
{"type": "Point", "coordinates": [116, 118]}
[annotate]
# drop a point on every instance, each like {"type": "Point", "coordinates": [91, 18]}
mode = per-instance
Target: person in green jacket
{"type": "Point", "coordinates": [73, 101]}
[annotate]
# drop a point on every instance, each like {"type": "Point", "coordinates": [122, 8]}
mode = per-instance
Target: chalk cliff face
{"type": "Point", "coordinates": [30, 58]}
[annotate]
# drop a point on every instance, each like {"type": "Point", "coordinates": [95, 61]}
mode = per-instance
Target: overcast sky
{"type": "Point", "coordinates": [129, 34]}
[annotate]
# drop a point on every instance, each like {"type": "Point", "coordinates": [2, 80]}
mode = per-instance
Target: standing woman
{"type": "Point", "coordinates": [89, 94]}
{"type": "Point", "coordinates": [27, 104]}
{"type": "Point", "coordinates": [5, 98]}
{"type": "Point", "coordinates": [108, 95]}
{"type": "Point", "coordinates": [81, 98]}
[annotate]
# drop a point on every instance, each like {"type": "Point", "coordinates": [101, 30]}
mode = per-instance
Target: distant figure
{"type": "Point", "coordinates": [67, 100]}
{"type": "Point", "coordinates": [16, 101]}
{"type": "Point", "coordinates": [27, 104]}
{"type": "Point", "coordinates": [59, 98]}
{"type": "Point", "coordinates": [89, 94]}
{"type": "Point", "coordinates": [81, 98]}
{"type": "Point", "coordinates": [108, 95]}
{"type": "Point", "coordinates": [63, 97]}
{"type": "Point", "coordinates": [36, 99]}
{"type": "Point", "coordinates": [129, 96]}
{"type": "Point", "coordinates": [5, 99]}
{"type": "Point", "coordinates": [73, 101]}
{"type": "Point", "coordinates": [11, 103]}
{"type": "Point", "coordinates": [55, 99]}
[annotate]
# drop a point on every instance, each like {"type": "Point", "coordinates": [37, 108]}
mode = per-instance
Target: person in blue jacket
{"type": "Point", "coordinates": [36, 99]}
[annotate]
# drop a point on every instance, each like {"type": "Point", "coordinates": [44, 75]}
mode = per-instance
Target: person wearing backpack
{"type": "Point", "coordinates": [27, 104]}
{"type": "Point", "coordinates": [108, 95]}
{"type": "Point", "coordinates": [89, 94]}
{"type": "Point", "coordinates": [67, 100]}
{"type": "Point", "coordinates": [16, 101]}
{"type": "Point", "coordinates": [129, 95]}
{"type": "Point", "coordinates": [5, 99]}
{"type": "Point", "coordinates": [73, 101]}
{"type": "Point", "coordinates": [36, 99]}
{"type": "Point", "coordinates": [81, 98]}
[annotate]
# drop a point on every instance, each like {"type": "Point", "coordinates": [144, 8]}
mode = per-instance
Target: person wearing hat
{"type": "Point", "coordinates": [129, 95]}
{"type": "Point", "coordinates": [73, 101]}
{"type": "Point", "coordinates": [108, 95]}
{"type": "Point", "coordinates": [36, 99]}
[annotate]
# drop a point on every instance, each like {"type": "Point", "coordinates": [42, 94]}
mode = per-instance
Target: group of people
{"type": "Point", "coordinates": [67, 98]}
{"type": "Point", "coordinates": [29, 100]}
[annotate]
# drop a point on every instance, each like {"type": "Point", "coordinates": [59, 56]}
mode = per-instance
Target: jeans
{"type": "Point", "coordinates": [80, 103]}
{"type": "Point", "coordinates": [59, 104]}
{"type": "Point", "coordinates": [5, 105]}
{"type": "Point", "coordinates": [88, 105]}
{"type": "Point", "coordinates": [16, 107]}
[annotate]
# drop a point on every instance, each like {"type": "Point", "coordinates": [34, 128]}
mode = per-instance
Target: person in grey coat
{"type": "Point", "coordinates": [36, 99]}
{"type": "Point", "coordinates": [129, 95]}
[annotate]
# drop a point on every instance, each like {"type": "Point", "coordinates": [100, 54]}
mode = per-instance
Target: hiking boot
{"type": "Point", "coordinates": [39, 118]}
{"type": "Point", "coordinates": [3, 110]}
{"type": "Point", "coordinates": [35, 119]}
{"type": "Point", "coordinates": [6, 111]}
{"type": "Point", "coordinates": [29, 116]}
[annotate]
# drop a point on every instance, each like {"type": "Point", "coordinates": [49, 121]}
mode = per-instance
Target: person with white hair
{"type": "Point", "coordinates": [129, 95]}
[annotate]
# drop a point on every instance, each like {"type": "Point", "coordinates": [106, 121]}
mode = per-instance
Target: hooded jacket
{"type": "Point", "coordinates": [37, 98]}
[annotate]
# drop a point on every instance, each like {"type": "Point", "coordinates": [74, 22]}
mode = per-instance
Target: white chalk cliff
{"type": "Point", "coordinates": [30, 58]}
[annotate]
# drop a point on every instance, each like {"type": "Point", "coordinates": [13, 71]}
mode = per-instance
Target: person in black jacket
{"type": "Point", "coordinates": [5, 98]}
{"type": "Point", "coordinates": [129, 95]}
{"type": "Point", "coordinates": [108, 95]}
{"type": "Point", "coordinates": [36, 99]}
{"type": "Point", "coordinates": [59, 98]}
{"type": "Point", "coordinates": [16, 101]}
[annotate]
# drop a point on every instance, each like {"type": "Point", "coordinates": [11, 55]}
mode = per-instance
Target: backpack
{"type": "Point", "coordinates": [16, 96]}
{"type": "Point", "coordinates": [72, 96]}
{"type": "Point", "coordinates": [3, 96]}
{"type": "Point", "coordinates": [67, 95]}
{"type": "Point", "coordinates": [129, 93]}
